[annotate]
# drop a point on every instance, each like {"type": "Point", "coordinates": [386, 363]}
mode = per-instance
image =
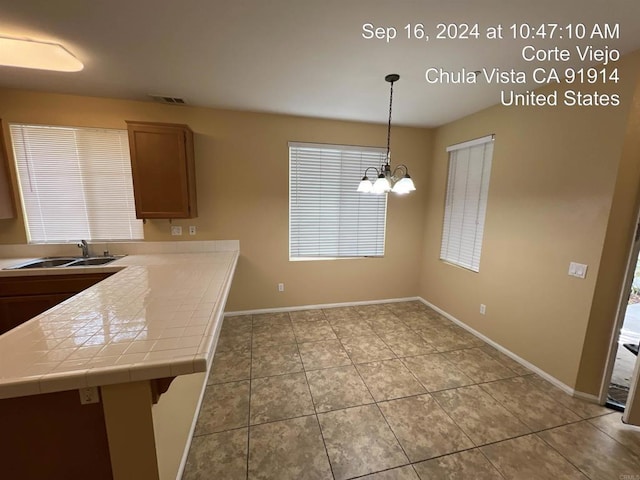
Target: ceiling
{"type": "Point", "coordinates": [296, 57]}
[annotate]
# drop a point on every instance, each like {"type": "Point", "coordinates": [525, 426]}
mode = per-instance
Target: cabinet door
{"type": "Point", "coordinates": [15, 311]}
{"type": "Point", "coordinates": [7, 206]}
{"type": "Point", "coordinates": [162, 168]}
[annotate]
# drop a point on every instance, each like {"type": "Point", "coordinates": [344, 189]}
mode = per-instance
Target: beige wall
{"type": "Point", "coordinates": [552, 184]}
{"type": "Point", "coordinates": [242, 183]}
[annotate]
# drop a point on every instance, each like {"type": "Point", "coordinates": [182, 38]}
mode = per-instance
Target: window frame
{"type": "Point", "coordinates": [84, 154]}
{"type": "Point", "coordinates": [349, 177]}
{"type": "Point", "coordinates": [470, 198]}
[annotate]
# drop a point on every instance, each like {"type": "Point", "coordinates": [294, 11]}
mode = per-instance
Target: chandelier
{"type": "Point", "coordinates": [398, 180]}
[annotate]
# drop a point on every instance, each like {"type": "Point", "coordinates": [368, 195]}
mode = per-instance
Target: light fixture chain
{"type": "Point", "coordinates": [389, 124]}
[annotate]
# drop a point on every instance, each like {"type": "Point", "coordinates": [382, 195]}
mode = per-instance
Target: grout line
{"type": "Point", "coordinates": [249, 410]}
{"type": "Point", "coordinates": [560, 453]}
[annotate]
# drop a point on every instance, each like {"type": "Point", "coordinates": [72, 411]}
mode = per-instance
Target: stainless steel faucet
{"type": "Point", "coordinates": [85, 248]}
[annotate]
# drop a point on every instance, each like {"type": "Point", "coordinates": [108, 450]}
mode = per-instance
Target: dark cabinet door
{"type": "Point", "coordinates": [15, 311]}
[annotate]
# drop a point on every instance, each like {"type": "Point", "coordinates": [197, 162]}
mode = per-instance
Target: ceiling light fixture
{"type": "Point", "coordinates": [15, 52]}
{"type": "Point", "coordinates": [397, 181]}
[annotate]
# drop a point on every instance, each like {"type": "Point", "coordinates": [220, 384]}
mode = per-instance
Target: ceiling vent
{"type": "Point", "coordinates": [168, 100]}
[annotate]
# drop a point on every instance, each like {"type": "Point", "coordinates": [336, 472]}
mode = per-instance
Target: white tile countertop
{"type": "Point", "coordinates": [158, 316]}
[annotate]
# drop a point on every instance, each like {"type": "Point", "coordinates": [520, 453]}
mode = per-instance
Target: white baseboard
{"type": "Point", "coordinates": [551, 379]}
{"type": "Point", "coordinates": [316, 307]}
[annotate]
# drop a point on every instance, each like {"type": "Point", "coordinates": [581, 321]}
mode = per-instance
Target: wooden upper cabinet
{"type": "Point", "coordinates": [163, 168]}
{"type": "Point", "coordinates": [7, 205]}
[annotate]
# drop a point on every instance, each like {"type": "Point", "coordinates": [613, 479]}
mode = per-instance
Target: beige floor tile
{"type": "Point", "coordinates": [423, 428]}
{"type": "Point", "coordinates": [407, 343]}
{"type": "Point", "coordinates": [422, 321]}
{"type": "Point", "coordinates": [323, 354]}
{"type": "Point", "coordinates": [233, 341]}
{"type": "Point", "coordinates": [307, 316]}
{"type": "Point", "coordinates": [386, 322]}
{"type": "Point", "coordinates": [479, 415]}
{"type": "Point", "coordinates": [467, 465]}
{"type": "Point", "coordinates": [581, 407]}
{"type": "Point", "coordinates": [267, 334]}
{"type": "Point", "coordinates": [345, 328]}
{"type": "Point", "coordinates": [506, 361]}
{"type": "Point", "coordinates": [288, 450]}
{"type": "Point", "coordinates": [236, 325]}
{"type": "Point", "coordinates": [313, 331]}
{"type": "Point", "coordinates": [368, 348]}
{"type": "Point", "coordinates": [230, 366]}
{"type": "Point", "coordinates": [611, 424]}
{"type": "Point", "coordinates": [279, 398]}
{"type": "Point", "coordinates": [402, 473]}
{"type": "Point", "coordinates": [271, 318]}
{"type": "Point", "coordinates": [339, 387]}
{"type": "Point", "coordinates": [225, 406]}
{"type": "Point", "coordinates": [218, 455]}
{"type": "Point", "coordinates": [406, 307]}
{"type": "Point", "coordinates": [359, 442]}
{"type": "Point", "coordinates": [275, 360]}
{"type": "Point", "coordinates": [528, 457]}
{"type": "Point", "coordinates": [444, 339]}
{"type": "Point", "coordinates": [435, 372]}
{"type": "Point", "coordinates": [598, 456]}
{"type": "Point", "coordinates": [340, 313]}
{"type": "Point", "coordinates": [478, 366]}
{"type": "Point", "coordinates": [389, 379]}
{"type": "Point", "coordinates": [369, 311]}
{"type": "Point", "coordinates": [470, 339]}
{"type": "Point", "coordinates": [529, 404]}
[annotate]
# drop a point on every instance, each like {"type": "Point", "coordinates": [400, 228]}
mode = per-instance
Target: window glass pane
{"type": "Point", "coordinates": [328, 218]}
{"type": "Point", "coordinates": [75, 183]}
{"type": "Point", "coordinates": [466, 204]}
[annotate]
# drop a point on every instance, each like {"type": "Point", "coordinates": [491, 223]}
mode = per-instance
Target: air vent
{"type": "Point", "coordinates": [168, 100]}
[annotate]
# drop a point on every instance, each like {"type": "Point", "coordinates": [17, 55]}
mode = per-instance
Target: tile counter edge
{"type": "Point", "coordinates": [88, 376]}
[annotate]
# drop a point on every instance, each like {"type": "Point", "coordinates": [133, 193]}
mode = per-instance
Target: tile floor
{"type": "Point", "coordinates": [391, 392]}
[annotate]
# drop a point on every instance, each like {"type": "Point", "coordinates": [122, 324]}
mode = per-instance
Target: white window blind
{"type": "Point", "coordinates": [75, 183]}
{"type": "Point", "coordinates": [328, 218]}
{"type": "Point", "coordinates": [466, 202]}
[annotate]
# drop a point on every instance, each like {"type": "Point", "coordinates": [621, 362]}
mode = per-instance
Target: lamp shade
{"type": "Point", "coordinates": [365, 186]}
{"type": "Point", "coordinates": [404, 185]}
{"type": "Point", "coordinates": [382, 185]}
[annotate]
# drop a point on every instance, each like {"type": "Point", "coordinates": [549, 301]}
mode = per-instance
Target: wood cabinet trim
{"type": "Point", "coordinates": [7, 198]}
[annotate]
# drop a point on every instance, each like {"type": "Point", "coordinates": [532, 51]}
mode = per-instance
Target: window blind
{"type": "Point", "coordinates": [328, 218]}
{"type": "Point", "coordinates": [75, 183]}
{"type": "Point", "coordinates": [466, 202]}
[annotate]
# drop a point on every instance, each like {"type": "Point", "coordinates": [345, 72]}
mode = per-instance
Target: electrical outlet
{"type": "Point", "coordinates": [192, 230]}
{"type": "Point", "coordinates": [89, 395]}
{"type": "Point", "coordinates": [483, 309]}
{"type": "Point", "coordinates": [281, 287]}
{"type": "Point", "coordinates": [176, 230]}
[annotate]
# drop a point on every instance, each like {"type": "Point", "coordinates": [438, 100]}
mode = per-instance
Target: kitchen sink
{"type": "Point", "coordinates": [61, 262]}
{"type": "Point", "coordinates": [91, 261]}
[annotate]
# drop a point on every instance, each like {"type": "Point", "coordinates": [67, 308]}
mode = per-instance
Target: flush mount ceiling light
{"type": "Point", "coordinates": [15, 52]}
{"type": "Point", "coordinates": [397, 181]}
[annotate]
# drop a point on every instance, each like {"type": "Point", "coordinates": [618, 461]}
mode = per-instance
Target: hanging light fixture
{"type": "Point", "coordinates": [397, 181]}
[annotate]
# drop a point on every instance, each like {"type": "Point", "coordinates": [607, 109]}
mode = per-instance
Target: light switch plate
{"type": "Point", "coordinates": [578, 270]}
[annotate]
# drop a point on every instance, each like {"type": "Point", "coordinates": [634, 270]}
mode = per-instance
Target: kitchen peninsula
{"type": "Point", "coordinates": [108, 383]}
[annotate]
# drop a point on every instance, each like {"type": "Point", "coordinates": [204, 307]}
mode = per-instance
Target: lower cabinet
{"type": "Point", "coordinates": [22, 298]}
